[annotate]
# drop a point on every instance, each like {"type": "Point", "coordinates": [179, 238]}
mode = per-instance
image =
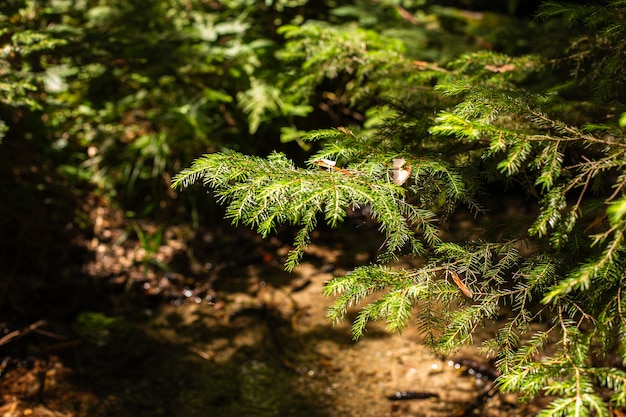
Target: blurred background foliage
{"type": "Point", "coordinates": [102, 101]}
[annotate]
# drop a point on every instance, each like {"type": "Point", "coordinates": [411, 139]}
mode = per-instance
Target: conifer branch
{"type": "Point", "coordinates": [483, 123]}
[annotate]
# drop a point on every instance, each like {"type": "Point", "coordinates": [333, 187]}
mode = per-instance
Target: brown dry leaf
{"type": "Point", "coordinates": [502, 68]}
{"type": "Point", "coordinates": [325, 163]}
{"type": "Point", "coordinates": [345, 130]}
{"type": "Point", "coordinates": [461, 284]}
{"type": "Point", "coordinates": [400, 175]}
{"type": "Point", "coordinates": [597, 221]}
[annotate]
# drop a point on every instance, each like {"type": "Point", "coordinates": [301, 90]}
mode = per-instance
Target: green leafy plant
{"type": "Point", "coordinates": [120, 94]}
{"type": "Point", "coordinates": [150, 245]}
{"type": "Point", "coordinates": [100, 330]}
{"type": "Point", "coordinates": [439, 138]}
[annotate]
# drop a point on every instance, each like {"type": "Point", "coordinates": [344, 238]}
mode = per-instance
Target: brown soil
{"type": "Point", "coordinates": [200, 323]}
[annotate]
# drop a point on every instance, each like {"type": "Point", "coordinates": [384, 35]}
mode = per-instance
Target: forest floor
{"type": "Point", "coordinates": [183, 322]}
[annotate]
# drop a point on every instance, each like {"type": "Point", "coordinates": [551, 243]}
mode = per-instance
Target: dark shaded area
{"type": "Point", "coordinates": [126, 371]}
{"type": "Point", "coordinates": [41, 219]}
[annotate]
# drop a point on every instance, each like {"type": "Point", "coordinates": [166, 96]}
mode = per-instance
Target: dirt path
{"type": "Point", "coordinates": [247, 340]}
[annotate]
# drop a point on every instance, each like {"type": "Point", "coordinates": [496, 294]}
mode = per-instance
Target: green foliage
{"type": "Point", "coordinates": [100, 329]}
{"type": "Point", "coordinates": [483, 121]}
{"type": "Point", "coordinates": [596, 52]}
{"type": "Point", "coordinates": [444, 106]}
{"type": "Point", "coordinates": [273, 191]}
{"type": "Point", "coordinates": [150, 243]}
{"type": "Point", "coordinates": [129, 90]}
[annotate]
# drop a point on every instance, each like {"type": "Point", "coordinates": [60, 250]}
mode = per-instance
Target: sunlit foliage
{"type": "Point", "coordinates": [543, 122]}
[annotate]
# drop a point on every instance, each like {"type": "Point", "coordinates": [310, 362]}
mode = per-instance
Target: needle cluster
{"type": "Point", "coordinates": [552, 279]}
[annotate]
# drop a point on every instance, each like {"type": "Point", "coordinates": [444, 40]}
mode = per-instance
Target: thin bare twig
{"type": "Point", "coordinates": [19, 333]}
